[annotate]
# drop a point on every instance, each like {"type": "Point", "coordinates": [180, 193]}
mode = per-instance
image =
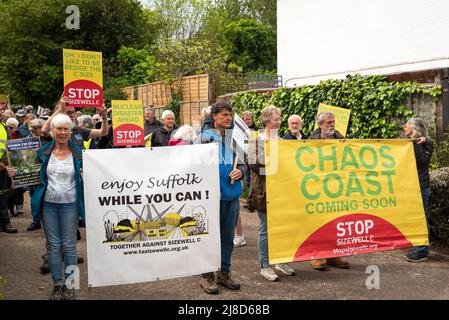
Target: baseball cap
{"type": "Point", "coordinates": [21, 113]}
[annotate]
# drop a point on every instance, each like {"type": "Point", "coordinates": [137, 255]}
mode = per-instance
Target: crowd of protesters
{"type": "Point", "coordinates": [58, 204]}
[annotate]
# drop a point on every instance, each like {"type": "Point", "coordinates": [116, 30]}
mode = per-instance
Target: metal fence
{"type": "Point", "coordinates": [236, 82]}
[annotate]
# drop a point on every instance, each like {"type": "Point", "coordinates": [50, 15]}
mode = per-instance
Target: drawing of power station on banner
{"type": "Point", "coordinates": [151, 224]}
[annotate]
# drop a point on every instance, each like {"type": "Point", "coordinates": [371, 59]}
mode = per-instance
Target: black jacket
{"type": "Point", "coordinates": [160, 137]}
{"type": "Point", "coordinates": [423, 153]}
{"type": "Point", "coordinates": [317, 134]}
{"type": "Point", "coordinates": [151, 126]}
{"type": "Point", "coordinates": [105, 142]}
{"type": "Point", "coordinates": [253, 127]}
{"type": "Point", "coordinates": [290, 136]}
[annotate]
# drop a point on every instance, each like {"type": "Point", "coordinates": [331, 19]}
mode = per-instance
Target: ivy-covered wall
{"type": "Point", "coordinates": [377, 105]}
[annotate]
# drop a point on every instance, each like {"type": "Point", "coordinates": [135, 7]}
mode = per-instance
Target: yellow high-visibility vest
{"type": "Point", "coordinates": [87, 144]}
{"type": "Point", "coordinates": [3, 139]}
{"type": "Point", "coordinates": [148, 140]}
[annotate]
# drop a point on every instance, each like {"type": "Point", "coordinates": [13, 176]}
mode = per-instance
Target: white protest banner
{"type": "Point", "coordinates": [240, 135]}
{"type": "Point", "coordinates": [151, 214]}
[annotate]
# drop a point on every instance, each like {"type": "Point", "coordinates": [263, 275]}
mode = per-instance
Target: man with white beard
{"type": "Point", "coordinates": [326, 130]}
{"type": "Point", "coordinates": [326, 127]}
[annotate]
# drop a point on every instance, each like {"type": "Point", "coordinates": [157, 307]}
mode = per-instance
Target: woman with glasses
{"type": "Point", "coordinates": [13, 124]}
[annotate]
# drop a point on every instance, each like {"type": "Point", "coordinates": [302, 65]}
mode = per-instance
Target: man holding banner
{"type": "Point", "coordinates": [326, 127]}
{"type": "Point", "coordinates": [229, 195]}
{"type": "Point", "coordinates": [326, 130]}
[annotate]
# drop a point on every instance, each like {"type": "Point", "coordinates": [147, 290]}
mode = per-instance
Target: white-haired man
{"type": "Point", "coordinates": [294, 125]}
{"type": "Point", "coordinates": [151, 124]}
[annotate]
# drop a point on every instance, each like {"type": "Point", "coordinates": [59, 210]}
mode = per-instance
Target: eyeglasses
{"type": "Point", "coordinates": [11, 127]}
{"type": "Point", "coordinates": [96, 119]}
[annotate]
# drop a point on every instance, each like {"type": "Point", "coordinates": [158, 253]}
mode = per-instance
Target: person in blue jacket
{"type": "Point", "coordinates": [230, 191]}
{"type": "Point", "coordinates": [59, 201]}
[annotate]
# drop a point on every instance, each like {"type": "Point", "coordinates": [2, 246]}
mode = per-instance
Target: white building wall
{"type": "Point", "coordinates": [322, 39]}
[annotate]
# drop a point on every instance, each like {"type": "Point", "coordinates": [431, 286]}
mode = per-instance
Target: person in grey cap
{"type": "Point", "coordinates": [21, 112]}
{"type": "Point", "coordinates": [22, 129]}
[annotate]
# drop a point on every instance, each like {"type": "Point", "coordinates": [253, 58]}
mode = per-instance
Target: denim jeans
{"type": "Point", "coordinates": [263, 240]}
{"type": "Point", "coordinates": [60, 224]}
{"type": "Point", "coordinates": [229, 213]}
{"type": "Point", "coordinates": [247, 174]}
{"type": "Point", "coordinates": [36, 219]}
{"type": "Point", "coordinates": [425, 194]}
{"type": "Point", "coordinates": [4, 214]}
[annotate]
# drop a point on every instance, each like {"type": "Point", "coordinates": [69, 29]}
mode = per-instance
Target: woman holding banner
{"type": "Point", "coordinates": [271, 120]}
{"type": "Point", "coordinates": [230, 172]}
{"type": "Point", "coordinates": [59, 201]}
{"type": "Point", "coordinates": [416, 130]}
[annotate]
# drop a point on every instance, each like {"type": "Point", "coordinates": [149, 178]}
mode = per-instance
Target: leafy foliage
{"type": "Point", "coordinates": [136, 67]}
{"type": "Point", "coordinates": [171, 38]}
{"type": "Point", "coordinates": [113, 92]}
{"type": "Point", "coordinates": [174, 106]}
{"type": "Point", "coordinates": [2, 282]}
{"type": "Point", "coordinates": [179, 58]}
{"type": "Point", "coordinates": [251, 44]}
{"type": "Point", "coordinates": [35, 33]}
{"type": "Point", "coordinates": [440, 156]}
{"type": "Point", "coordinates": [439, 202]}
{"type": "Point", "coordinates": [263, 11]}
{"type": "Point", "coordinates": [375, 103]}
{"type": "Point", "coordinates": [180, 19]}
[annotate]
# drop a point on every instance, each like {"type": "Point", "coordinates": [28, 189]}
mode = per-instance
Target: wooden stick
{"type": "Point", "coordinates": [234, 167]}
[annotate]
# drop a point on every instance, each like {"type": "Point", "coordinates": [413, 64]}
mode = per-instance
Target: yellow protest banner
{"type": "Point", "coordinates": [341, 117]}
{"type": "Point", "coordinates": [83, 78]}
{"type": "Point", "coordinates": [127, 117]}
{"type": "Point", "coordinates": [329, 198]}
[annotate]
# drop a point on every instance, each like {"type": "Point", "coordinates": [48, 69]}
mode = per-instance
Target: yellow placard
{"type": "Point", "coordinates": [328, 198]}
{"type": "Point", "coordinates": [80, 64]}
{"type": "Point", "coordinates": [341, 117]}
{"type": "Point", "coordinates": [127, 118]}
{"type": "Point", "coordinates": [83, 78]}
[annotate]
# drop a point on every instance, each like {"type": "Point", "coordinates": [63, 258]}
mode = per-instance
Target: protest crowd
{"type": "Point", "coordinates": [57, 203]}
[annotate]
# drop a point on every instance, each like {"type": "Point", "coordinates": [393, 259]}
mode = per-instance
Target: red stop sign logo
{"type": "Point", "coordinates": [84, 94]}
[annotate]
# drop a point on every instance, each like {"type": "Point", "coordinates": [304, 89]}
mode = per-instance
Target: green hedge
{"type": "Point", "coordinates": [377, 111]}
{"type": "Point", "coordinates": [376, 104]}
{"type": "Point", "coordinates": [439, 203]}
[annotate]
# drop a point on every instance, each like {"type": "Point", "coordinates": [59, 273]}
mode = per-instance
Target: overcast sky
{"type": "Point", "coordinates": [145, 2]}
